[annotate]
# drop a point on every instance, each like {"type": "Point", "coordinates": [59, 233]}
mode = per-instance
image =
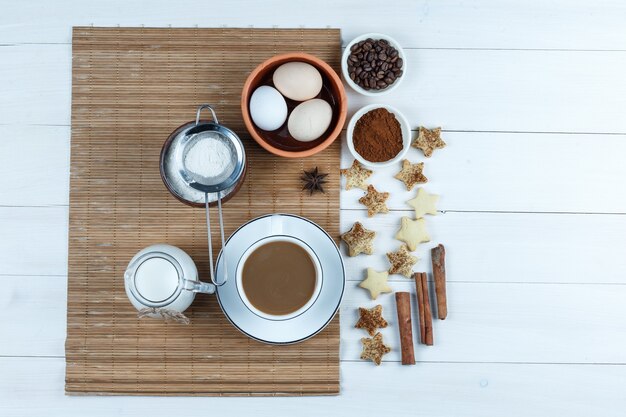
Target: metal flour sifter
{"type": "Point", "coordinates": [204, 158]}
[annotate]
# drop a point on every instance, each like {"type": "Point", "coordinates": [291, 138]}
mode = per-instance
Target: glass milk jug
{"type": "Point", "coordinates": [162, 281]}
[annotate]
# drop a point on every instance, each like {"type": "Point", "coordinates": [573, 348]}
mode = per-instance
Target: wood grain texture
{"type": "Point", "coordinates": [435, 389]}
{"type": "Point", "coordinates": [34, 242]}
{"type": "Point", "coordinates": [131, 87]}
{"type": "Point", "coordinates": [517, 323]}
{"type": "Point", "coordinates": [528, 327]}
{"type": "Point", "coordinates": [548, 254]}
{"type": "Point", "coordinates": [550, 24]}
{"type": "Point", "coordinates": [477, 172]}
{"type": "Point", "coordinates": [504, 247]}
{"type": "Point", "coordinates": [497, 171]}
{"type": "Point", "coordinates": [442, 88]}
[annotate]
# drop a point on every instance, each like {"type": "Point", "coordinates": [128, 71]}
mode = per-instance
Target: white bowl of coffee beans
{"type": "Point", "coordinates": [373, 64]}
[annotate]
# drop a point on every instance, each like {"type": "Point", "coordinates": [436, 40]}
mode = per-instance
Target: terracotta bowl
{"type": "Point", "coordinates": [279, 142]}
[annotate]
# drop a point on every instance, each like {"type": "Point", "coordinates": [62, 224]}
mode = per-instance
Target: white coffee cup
{"type": "Point", "coordinates": [279, 238]}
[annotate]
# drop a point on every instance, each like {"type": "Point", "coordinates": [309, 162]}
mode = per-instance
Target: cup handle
{"type": "Point", "coordinates": [276, 224]}
{"type": "Point", "coordinates": [199, 286]}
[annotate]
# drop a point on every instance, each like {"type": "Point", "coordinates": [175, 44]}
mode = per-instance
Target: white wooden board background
{"type": "Point", "coordinates": [532, 98]}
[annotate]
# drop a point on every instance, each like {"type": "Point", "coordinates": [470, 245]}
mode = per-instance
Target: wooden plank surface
{"type": "Point", "coordinates": [498, 24]}
{"type": "Point", "coordinates": [570, 81]}
{"type": "Point", "coordinates": [576, 88]}
{"type": "Point", "coordinates": [476, 311]}
{"type": "Point", "coordinates": [438, 389]}
{"type": "Point", "coordinates": [477, 172]}
{"type": "Point", "coordinates": [490, 247]}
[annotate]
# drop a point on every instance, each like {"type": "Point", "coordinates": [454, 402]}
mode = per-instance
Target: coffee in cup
{"type": "Point", "coordinates": [279, 277]}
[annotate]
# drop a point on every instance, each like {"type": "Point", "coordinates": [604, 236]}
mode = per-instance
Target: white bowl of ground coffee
{"type": "Point", "coordinates": [378, 135]}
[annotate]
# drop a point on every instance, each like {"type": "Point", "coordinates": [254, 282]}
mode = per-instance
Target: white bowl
{"type": "Point", "coordinates": [346, 54]}
{"type": "Point", "coordinates": [404, 125]}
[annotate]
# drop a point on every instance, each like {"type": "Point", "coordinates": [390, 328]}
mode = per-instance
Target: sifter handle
{"type": "Point", "coordinates": [206, 106]}
{"type": "Point", "coordinates": [208, 226]}
{"type": "Point", "coordinates": [219, 210]}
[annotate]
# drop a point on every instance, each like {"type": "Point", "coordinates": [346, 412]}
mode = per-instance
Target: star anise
{"type": "Point", "coordinates": [313, 181]}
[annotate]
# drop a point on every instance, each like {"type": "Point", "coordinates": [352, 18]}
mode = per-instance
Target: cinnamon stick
{"type": "Point", "coordinates": [419, 293]}
{"type": "Point", "coordinates": [403, 304]}
{"type": "Point", "coordinates": [423, 306]}
{"type": "Point", "coordinates": [438, 255]}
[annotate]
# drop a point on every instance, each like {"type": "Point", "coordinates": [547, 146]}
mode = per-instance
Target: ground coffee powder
{"type": "Point", "coordinates": [377, 136]}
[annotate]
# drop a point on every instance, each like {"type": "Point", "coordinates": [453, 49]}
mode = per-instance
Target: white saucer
{"type": "Point", "coordinates": [309, 322]}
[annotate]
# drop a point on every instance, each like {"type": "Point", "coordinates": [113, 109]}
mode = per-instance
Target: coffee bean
{"type": "Point", "coordinates": [374, 64]}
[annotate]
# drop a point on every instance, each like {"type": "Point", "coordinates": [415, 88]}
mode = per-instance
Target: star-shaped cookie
{"type": "Point", "coordinates": [413, 232]}
{"type": "Point", "coordinates": [374, 348]}
{"type": "Point", "coordinates": [371, 319]}
{"type": "Point", "coordinates": [376, 283]}
{"type": "Point", "coordinates": [402, 262]}
{"type": "Point", "coordinates": [411, 174]}
{"type": "Point", "coordinates": [424, 203]}
{"type": "Point", "coordinates": [374, 201]}
{"type": "Point", "coordinates": [356, 176]}
{"type": "Point", "coordinates": [428, 140]}
{"type": "Point", "coordinates": [359, 240]}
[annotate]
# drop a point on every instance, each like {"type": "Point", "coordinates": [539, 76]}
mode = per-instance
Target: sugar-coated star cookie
{"type": "Point", "coordinates": [374, 201]}
{"type": "Point", "coordinates": [374, 348]}
{"type": "Point", "coordinates": [371, 319]}
{"type": "Point", "coordinates": [356, 176]}
{"type": "Point", "coordinates": [402, 262]}
{"type": "Point", "coordinates": [411, 174]}
{"type": "Point", "coordinates": [359, 240]}
{"type": "Point", "coordinates": [428, 140]}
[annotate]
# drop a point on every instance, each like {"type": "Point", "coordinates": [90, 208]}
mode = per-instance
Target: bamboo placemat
{"type": "Point", "coordinates": [130, 89]}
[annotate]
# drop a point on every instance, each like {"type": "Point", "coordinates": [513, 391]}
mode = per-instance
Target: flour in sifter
{"type": "Point", "coordinates": [209, 157]}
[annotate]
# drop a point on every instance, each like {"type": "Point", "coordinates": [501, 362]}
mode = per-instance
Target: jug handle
{"type": "Point", "coordinates": [199, 286]}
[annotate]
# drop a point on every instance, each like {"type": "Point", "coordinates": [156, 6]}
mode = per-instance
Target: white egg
{"type": "Point", "coordinates": [309, 120]}
{"type": "Point", "coordinates": [298, 80]}
{"type": "Point", "coordinates": [268, 108]}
